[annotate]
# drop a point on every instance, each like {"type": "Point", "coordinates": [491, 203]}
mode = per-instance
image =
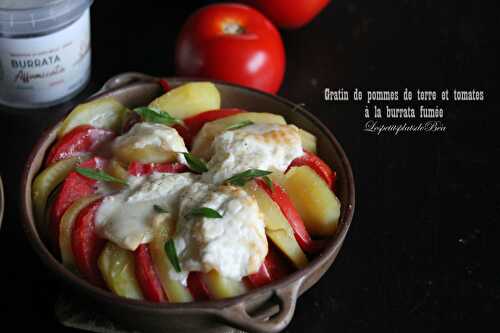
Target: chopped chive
{"type": "Point", "coordinates": [99, 175]}
{"type": "Point", "coordinates": [194, 163]}
{"type": "Point", "coordinates": [205, 212]}
{"type": "Point", "coordinates": [159, 209]}
{"type": "Point", "coordinates": [153, 115]}
{"type": "Point", "coordinates": [268, 182]}
{"type": "Point", "coordinates": [239, 125]}
{"type": "Point", "coordinates": [240, 179]}
{"type": "Point", "coordinates": [172, 255]}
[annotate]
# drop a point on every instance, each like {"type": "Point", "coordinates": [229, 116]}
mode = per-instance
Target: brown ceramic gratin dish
{"type": "Point", "coordinates": [266, 309]}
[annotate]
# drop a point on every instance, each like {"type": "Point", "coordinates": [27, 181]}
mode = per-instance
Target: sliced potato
{"type": "Point", "coordinates": [204, 138]}
{"type": "Point", "coordinates": [220, 287]}
{"type": "Point", "coordinates": [101, 113]}
{"type": "Point", "coordinates": [66, 227]}
{"type": "Point", "coordinates": [46, 182]}
{"type": "Point", "coordinates": [174, 290]}
{"type": "Point", "coordinates": [148, 154]}
{"type": "Point", "coordinates": [117, 170]}
{"type": "Point", "coordinates": [189, 99]}
{"type": "Point", "coordinates": [278, 177]}
{"type": "Point", "coordinates": [308, 141]}
{"type": "Point", "coordinates": [117, 267]}
{"type": "Point", "coordinates": [277, 227]}
{"type": "Point", "coordinates": [48, 210]}
{"type": "Point", "coordinates": [316, 203]}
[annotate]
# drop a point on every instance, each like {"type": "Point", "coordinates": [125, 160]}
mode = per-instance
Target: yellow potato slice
{"type": "Point", "coordinates": [204, 138]}
{"type": "Point", "coordinates": [318, 206]}
{"type": "Point", "coordinates": [220, 287]}
{"type": "Point", "coordinates": [188, 100]}
{"type": "Point", "coordinates": [46, 182]}
{"type": "Point", "coordinates": [101, 113]}
{"type": "Point", "coordinates": [175, 291]}
{"type": "Point", "coordinates": [308, 141]}
{"type": "Point", "coordinates": [277, 227]}
{"type": "Point", "coordinates": [66, 228]}
{"type": "Point", "coordinates": [117, 170]}
{"type": "Point", "coordinates": [117, 267]}
{"type": "Point", "coordinates": [148, 154]}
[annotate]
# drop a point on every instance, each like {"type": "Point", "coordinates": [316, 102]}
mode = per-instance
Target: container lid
{"type": "Point", "coordinates": [35, 17]}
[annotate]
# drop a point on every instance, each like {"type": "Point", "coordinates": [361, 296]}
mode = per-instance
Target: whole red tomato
{"type": "Point", "coordinates": [289, 14]}
{"type": "Point", "coordinates": [234, 43]}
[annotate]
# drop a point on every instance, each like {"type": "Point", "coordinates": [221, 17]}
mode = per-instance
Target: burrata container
{"type": "Point", "coordinates": [44, 51]}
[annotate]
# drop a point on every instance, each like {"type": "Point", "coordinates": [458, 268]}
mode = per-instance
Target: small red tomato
{"type": "Point", "coordinates": [234, 43]}
{"type": "Point", "coordinates": [289, 15]}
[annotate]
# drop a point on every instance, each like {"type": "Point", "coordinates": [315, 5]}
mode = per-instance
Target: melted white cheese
{"type": "Point", "coordinates": [234, 245]}
{"type": "Point", "coordinates": [126, 218]}
{"type": "Point", "coordinates": [260, 146]}
{"type": "Point", "coordinates": [146, 134]}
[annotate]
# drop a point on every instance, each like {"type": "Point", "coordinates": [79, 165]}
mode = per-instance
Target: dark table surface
{"type": "Point", "coordinates": [423, 247]}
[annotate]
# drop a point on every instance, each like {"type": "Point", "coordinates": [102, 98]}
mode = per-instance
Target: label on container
{"type": "Point", "coordinates": [40, 70]}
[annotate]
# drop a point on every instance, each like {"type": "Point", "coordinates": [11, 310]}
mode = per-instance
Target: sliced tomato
{"type": "Point", "coordinates": [197, 286]}
{"type": "Point", "coordinates": [318, 165]}
{"type": "Point", "coordinates": [185, 133]}
{"type": "Point", "coordinates": [195, 123]}
{"type": "Point", "coordinates": [147, 276]}
{"type": "Point", "coordinates": [279, 196]}
{"type": "Point", "coordinates": [164, 84]}
{"type": "Point", "coordinates": [74, 187]}
{"type": "Point", "coordinates": [141, 169]}
{"type": "Point", "coordinates": [80, 140]}
{"type": "Point", "coordinates": [275, 267]}
{"type": "Point", "coordinates": [87, 245]}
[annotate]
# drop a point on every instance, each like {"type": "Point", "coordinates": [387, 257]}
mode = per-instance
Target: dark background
{"type": "Point", "coordinates": [422, 252]}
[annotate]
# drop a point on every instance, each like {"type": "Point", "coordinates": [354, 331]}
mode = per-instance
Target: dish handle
{"type": "Point", "coordinates": [121, 80]}
{"type": "Point", "coordinates": [237, 315]}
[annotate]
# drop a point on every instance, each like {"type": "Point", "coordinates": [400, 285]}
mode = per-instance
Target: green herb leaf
{"type": "Point", "coordinates": [156, 116]}
{"type": "Point", "coordinates": [99, 175]}
{"type": "Point", "coordinates": [194, 163]}
{"type": "Point", "coordinates": [239, 125]}
{"type": "Point", "coordinates": [240, 179]}
{"type": "Point", "coordinates": [268, 182]}
{"type": "Point", "coordinates": [172, 255]}
{"type": "Point", "coordinates": [159, 209]}
{"type": "Point", "coordinates": [205, 212]}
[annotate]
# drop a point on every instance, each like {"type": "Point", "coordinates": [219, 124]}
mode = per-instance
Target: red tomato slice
{"type": "Point", "coordinates": [147, 275]}
{"type": "Point", "coordinates": [87, 245]}
{"type": "Point", "coordinates": [318, 165]}
{"type": "Point", "coordinates": [195, 123]}
{"type": "Point", "coordinates": [140, 169]}
{"type": "Point", "coordinates": [185, 133]}
{"type": "Point", "coordinates": [82, 139]}
{"type": "Point", "coordinates": [164, 84]}
{"type": "Point", "coordinates": [197, 287]}
{"type": "Point", "coordinates": [275, 267]}
{"type": "Point", "coordinates": [74, 187]}
{"type": "Point", "coordinates": [279, 196]}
